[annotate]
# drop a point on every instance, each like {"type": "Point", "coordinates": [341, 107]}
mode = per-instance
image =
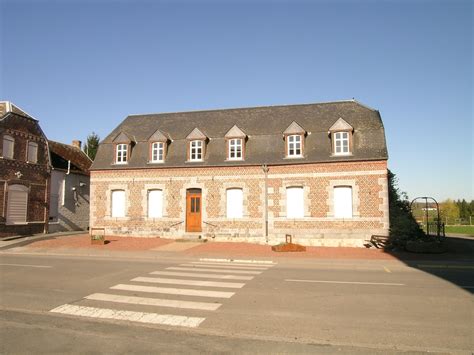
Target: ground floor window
{"type": "Point", "coordinates": [17, 204]}
{"type": "Point", "coordinates": [118, 203]}
{"type": "Point", "coordinates": [343, 202]}
{"type": "Point", "coordinates": [294, 202]}
{"type": "Point", "coordinates": [234, 203]}
{"type": "Point", "coordinates": [155, 203]}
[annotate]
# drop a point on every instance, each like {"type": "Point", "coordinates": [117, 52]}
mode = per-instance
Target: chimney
{"type": "Point", "coordinates": [76, 144]}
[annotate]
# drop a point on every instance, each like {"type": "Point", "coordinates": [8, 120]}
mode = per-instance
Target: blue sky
{"type": "Point", "coordinates": [83, 66]}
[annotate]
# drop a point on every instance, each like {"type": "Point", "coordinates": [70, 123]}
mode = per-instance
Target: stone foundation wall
{"type": "Point", "coordinates": [318, 226]}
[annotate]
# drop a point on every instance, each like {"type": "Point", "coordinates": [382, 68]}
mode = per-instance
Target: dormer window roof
{"type": "Point", "coordinates": [196, 134]}
{"type": "Point", "coordinates": [159, 136]}
{"type": "Point", "coordinates": [122, 138]}
{"type": "Point", "coordinates": [341, 125]}
{"type": "Point", "coordinates": [294, 128]}
{"type": "Point", "coordinates": [235, 132]}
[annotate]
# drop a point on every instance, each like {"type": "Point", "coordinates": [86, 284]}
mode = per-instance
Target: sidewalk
{"type": "Point", "coordinates": [79, 244]}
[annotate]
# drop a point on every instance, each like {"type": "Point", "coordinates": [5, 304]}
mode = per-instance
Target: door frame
{"type": "Point", "coordinates": [190, 194]}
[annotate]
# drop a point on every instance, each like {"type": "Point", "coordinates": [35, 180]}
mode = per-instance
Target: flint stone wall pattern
{"type": "Point", "coordinates": [318, 227]}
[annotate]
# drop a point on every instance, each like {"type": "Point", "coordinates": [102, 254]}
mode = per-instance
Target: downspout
{"type": "Point", "coordinates": [265, 170]}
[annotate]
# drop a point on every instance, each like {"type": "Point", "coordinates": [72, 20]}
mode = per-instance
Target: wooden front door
{"type": "Point", "coordinates": [193, 210]}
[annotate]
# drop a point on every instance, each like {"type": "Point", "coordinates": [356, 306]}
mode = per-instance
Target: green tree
{"type": "Point", "coordinates": [91, 146]}
{"type": "Point", "coordinates": [402, 223]}
{"type": "Point", "coordinates": [449, 211]}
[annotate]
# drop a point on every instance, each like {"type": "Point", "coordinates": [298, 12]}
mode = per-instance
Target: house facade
{"type": "Point", "coordinates": [24, 173]}
{"type": "Point", "coordinates": [317, 172]}
{"type": "Point", "coordinates": [70, 185]}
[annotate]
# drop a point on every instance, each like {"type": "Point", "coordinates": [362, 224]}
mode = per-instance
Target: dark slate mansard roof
{"type": "Point", "coordinates": [264, 127]}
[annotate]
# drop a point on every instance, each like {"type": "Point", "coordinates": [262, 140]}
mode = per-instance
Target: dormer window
{"type": "Point", "coordinates": [235, 149]}
{"type": "Point", "coordinates": [195, 150]}
{"type": "Point", "coordinates": [294, 140]}
{"type": "Point", "coordinates": [158, 145]}
{"type": "Point", "coordinates": [121, 153]}
{"type": "Point", "coordinates": [123, 145]}
{"type": "Point", "coordinates": [157, 152]}
{"type": "Point", "coordinates": [341, 143]}
{"type": "Point", "coordinates": [235, 143]}
{"type": "Point", "coordinates": [294, 145]}
{"type": "Point", "coordinates": [196, 145]}
{"type": "Point", "coordinates": [341, 137]}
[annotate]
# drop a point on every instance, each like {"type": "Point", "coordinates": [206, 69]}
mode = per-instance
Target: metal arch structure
{"type": "Point", "coordinates": [438, 221]}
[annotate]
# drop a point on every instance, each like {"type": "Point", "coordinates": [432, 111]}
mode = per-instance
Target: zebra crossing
{"type": "Point", "coordinates": [197, 287]}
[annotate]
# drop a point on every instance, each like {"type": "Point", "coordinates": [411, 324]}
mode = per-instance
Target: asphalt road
{"type": "Point", "coordinates": [115, 305]}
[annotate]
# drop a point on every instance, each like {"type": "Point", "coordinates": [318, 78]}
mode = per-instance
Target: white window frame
{"type": "Point", "coordinates": [294, 142]}
{"type": "Point", "coordinates": [8, 141]}
{"type": "Point", "coordinates": [121, 153]}
{"type": "Point", "coordinates": [341, 138]}
{"type": "Point", "coordinates": [115, 210]}
{"type": "Point", "coordinates": [32, 152]}
{"type": "Point", "coordinates": [343, 202]}
{"type": "Point", "coordinates": [155, 207]}
{"type": "Point", "coordinates": [294, 208]}
{"type": "Point", "coordinates": [196, 150]}
{"type": "Point", "coordinates": [235, 148]}
{"type": "Point", "coordinates": [235, 202]}
{"type": "Point", "coordinates": [157, 152]}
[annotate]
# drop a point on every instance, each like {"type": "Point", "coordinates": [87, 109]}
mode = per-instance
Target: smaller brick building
{"type": "Point", "coordinates": [24, 173]}
{"type": "Point", "coordinates": [315, 171]}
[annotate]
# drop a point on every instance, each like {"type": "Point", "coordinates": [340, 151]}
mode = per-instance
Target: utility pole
{"type": "Point", "coordinates": [265, 170]}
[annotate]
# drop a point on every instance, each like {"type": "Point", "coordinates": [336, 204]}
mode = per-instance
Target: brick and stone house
{"type": "Point", "coordinates": [316, 171]}
{"type": "Point", "coordinates": [24, 173]}
{"type": "Point", "coordinates": [69, 192]}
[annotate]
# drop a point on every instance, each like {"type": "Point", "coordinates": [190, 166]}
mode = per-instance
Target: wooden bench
{"type": "Point", "coordinates": [380, 241]}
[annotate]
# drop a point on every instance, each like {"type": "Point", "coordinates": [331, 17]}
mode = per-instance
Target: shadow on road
{"type": "Point", "coordinates": [455, 265]}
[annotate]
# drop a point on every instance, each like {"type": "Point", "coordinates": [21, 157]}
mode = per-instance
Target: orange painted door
{"type": "Point", "coordinates": [193, 211]}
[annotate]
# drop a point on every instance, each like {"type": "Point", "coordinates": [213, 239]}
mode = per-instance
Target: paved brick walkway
{"type": "Point", "coordinates": [236, 250]}
{"type": "Point", "coordinates": [221, 249]}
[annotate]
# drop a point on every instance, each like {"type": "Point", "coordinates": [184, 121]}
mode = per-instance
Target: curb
{"type": "Point", "coordinates": [20, 241]}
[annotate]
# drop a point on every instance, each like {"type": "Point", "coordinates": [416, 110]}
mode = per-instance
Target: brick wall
{"type": "Point", "coordinates": [34, 176]}
{"type": "Point", "coordinates": [318, 227]}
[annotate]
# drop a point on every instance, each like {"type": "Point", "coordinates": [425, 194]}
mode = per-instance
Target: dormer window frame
{"type": "Point", "coordinates": [291, 146]}
{"type": "Point", "coordinates": [335, 139]}
{"type": "Point", "coordinates": [193, 150]}
{"type": "Point", "coordinates": [120, 158]}
{"type": "Point", "coordinates": [232, 148]}
{"type": "Point", "coordinates": [158, 147]}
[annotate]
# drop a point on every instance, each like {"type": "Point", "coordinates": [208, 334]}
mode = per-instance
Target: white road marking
{"type": "Point", "coordinates": [174, 291]}
{"type": "Point", "coordinates": [386, 269]}
{"type": "Point", "coordinates": [348, 282]}
{"type": "Point", "coordinates": [25, 265]}
{"type": "Point", "coordinates": [189, 282]}
{"type": "Point", "coordinates": [141, 317]}
{"type": "Point", "coordinates": [206, 276]}
{"type": "Point", "coordinates": [154, 302]}
{"type": "Point", "coordinates": [239, 261]}
{"type": "Point", "coordinates": [226, 267]}
{"type": "Point", "coordinates": [214, 270]}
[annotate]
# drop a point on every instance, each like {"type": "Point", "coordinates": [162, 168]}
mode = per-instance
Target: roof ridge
{"type": "Point", "coordinates": [252, 107]}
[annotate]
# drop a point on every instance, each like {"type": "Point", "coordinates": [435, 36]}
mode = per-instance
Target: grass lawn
{"type": "Point", "coordinates": [460, 229]}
